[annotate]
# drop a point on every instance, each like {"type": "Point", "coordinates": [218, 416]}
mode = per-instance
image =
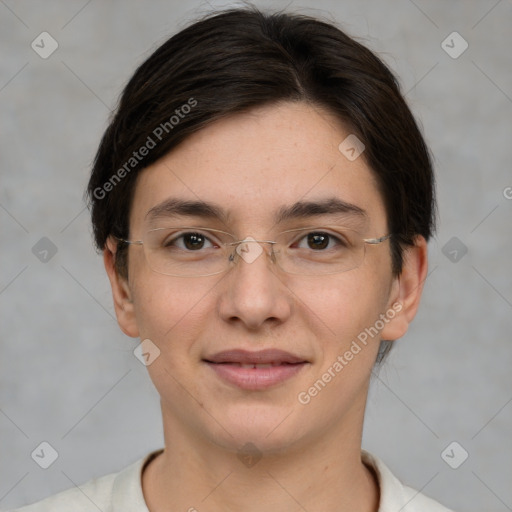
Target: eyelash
{"type": "Point", "coordinates": [171, 242]}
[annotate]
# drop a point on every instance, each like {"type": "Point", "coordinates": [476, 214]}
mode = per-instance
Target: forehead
{"type": "Point", "coordinates": [256, 165]}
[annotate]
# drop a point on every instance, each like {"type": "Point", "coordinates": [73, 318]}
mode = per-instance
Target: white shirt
{"type": "Point", "coordinates": [122, 492]}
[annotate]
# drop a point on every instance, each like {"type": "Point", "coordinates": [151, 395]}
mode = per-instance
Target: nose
{"type": "Point", "coordinates": [253, 292]}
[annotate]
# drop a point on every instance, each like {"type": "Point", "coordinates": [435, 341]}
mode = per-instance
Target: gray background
{"type": "Point", "coordinates": [68, 375]}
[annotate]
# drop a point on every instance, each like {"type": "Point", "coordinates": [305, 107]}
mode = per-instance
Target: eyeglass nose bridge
{"type": "Point", "coordinates": [249, 255]}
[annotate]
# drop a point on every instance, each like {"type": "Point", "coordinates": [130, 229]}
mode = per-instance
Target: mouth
{"type": "Point", "coordinates": [255, 370]}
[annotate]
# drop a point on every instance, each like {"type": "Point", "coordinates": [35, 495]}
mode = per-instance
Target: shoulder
{"type": "Point", "coordinates": [396, 496]}
{"type": "Point", "coordinates": [108, 493]}
{"type": "Point", "coordinates": [93, 495]}
{"type": "Point", "coordinates": [418, 502]}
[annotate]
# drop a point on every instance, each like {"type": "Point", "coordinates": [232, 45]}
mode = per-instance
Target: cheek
{"type": "Point", "coordinates": [173, 314]}
{"type": "Point", "coordinates": [169, 309]}
{"type": "Point", "coordinates": [344, 305]}
{"type": "Point", "coordinates": [348, 311]}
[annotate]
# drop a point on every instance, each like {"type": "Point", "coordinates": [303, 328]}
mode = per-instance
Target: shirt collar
{"type": "Point", "coordinates": [127, 490]}
{"type": "Point", "coordinates": [391, 489]}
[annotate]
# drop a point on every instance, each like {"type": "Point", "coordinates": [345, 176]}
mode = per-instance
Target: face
{"type": "Point", "coordinates": [252, 166]}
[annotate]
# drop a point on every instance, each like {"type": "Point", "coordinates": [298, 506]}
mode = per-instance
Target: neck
{"type": "Point", "coordinates": [194, 475]}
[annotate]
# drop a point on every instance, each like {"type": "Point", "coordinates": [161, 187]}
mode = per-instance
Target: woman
{"type": "Point", "coordinates": [263, 199]}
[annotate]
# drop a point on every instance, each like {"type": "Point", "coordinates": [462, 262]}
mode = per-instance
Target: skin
{"type": "Point", "coordinates": [252, 164]}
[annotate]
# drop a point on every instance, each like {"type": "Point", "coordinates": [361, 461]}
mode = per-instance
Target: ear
{"type": "Point", "coordinates": [121, 292]}
{"type": "Point", "coordinates": [406, 290]}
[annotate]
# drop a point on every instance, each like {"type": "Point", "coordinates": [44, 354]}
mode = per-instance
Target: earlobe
{"type": "Point", "coordinates": [121, 292]}
{"type": "Point", "coordinates": [407, 289]}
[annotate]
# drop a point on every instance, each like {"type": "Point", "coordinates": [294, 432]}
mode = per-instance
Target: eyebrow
{"type": "Point", "coordinates": [327, 206]}
{"type": "Point", "coordinates": [174, 207]}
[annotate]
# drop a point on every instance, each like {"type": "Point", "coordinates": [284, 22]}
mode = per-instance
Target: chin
{"type": "Point", "coordinates": [270, 429]}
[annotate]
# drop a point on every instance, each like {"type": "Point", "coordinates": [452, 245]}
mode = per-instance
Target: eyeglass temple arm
{"type": "Point", "coordinates": [374, 241]}
{"type": "Point", "coordinates": [132, 242]}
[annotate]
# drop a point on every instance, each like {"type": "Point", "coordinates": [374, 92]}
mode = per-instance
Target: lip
{"type": "Point", "coordinates": [233, 367]}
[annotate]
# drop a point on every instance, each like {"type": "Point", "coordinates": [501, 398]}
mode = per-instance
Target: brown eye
{"type": "Point", "coordinates": [189, 241]}
{"type": "Point", "coordinates": [193, 241]}
{"type": "Point", "coordinates": [318, 240]}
